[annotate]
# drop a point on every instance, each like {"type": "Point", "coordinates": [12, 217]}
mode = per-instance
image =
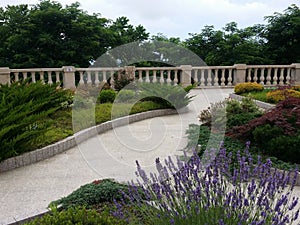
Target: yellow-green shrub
{"type": "Point", "coordinates": [279, 95]}
{"type": "Point", "coordinates": [247, 87]}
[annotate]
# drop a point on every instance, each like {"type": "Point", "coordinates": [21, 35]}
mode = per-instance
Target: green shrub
{"type": "Point", "coordinates": [79, 216]}
{"type": "Point", "coordinates": [126, 96]}
{"type": "Point", "coordinates": [167, 95]}
{"type": "Point", "coordinates": [106, 96]}
{"type": "Point", "coordinates": [97, 192]}
{"type": "Point", "coordinates": [285, 148]}
{"type": "Point", "coordinates": [24, 111]}
{"type": "Point", "coordinates": [237, 112]}
{"type": "Point", "coordinates": [247, 87]}
{"type": "Point", "coordinates": [201, 134]}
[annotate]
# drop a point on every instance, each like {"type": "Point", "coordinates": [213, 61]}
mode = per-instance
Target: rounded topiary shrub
{"type": "Point", "coordinates": [107, 96]}
{"type": "Point", "coordinates": [247, 87]}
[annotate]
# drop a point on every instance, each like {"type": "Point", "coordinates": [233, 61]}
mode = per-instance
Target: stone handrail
{"type": "Point", "coordinates": [204, 76]}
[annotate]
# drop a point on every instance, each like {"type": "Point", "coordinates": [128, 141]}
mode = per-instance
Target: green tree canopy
{"type": "Point", "coordinates": [48, 35]}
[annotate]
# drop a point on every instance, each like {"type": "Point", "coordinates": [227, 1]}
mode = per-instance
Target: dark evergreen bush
{"type": "Point", "coordinates": [24, 111]}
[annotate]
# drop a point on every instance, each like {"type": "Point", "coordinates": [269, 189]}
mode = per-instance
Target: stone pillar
{"type": "Point", "coordinates": [69, 77]}
{"type": "Point", "coordinates": [296, 74]}
{"type": "Point", "coordinates": [186, 75]}
{"type": "Point", "coordinates": [4, 75]}
{"type": "Point", "coordinates": [240, 73]}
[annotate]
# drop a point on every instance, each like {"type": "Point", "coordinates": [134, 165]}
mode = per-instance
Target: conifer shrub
{"type": "Point", "coordinates": [25, 109]}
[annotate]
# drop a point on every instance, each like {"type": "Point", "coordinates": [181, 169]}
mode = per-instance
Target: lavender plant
{"type": "Point", "coordinates": [187, 193]}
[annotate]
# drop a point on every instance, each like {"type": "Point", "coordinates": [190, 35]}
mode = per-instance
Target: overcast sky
{"type": "Point", "coordinates": [177, 18]}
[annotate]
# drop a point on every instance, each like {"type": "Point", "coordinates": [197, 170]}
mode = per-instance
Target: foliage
{"type": "Point", "coordinates": [25, 109]}
{"type": "Point", "coordinates": [281, 94]}
{"type": "Point", "coordinates": [49, 35]}
{"type": "Point", "coordinates": [124, 96]}
{"type": "Point", "coordinates": [279, 124]}
{"type": "Point", "coordinates": [122, 79]}
{"type": "Point", "coordinates": [166, 95]}
{"type": "Point", "coordinates": [106, 96]}
{"type": "Point", "coordinates": [247, 87]}
{"type": "Point", "coordinates": [191, 193]}
{"type": "Point", "coordinates": [282, 34]}
{"type": "Point", "coordinates": [236, 112]}
{"type": "Point", "coordinates": [199, 135]}
{"type": "Point", "coordinates": [78, 215]}
{"type": "Point", "coordinates": [97, 192]}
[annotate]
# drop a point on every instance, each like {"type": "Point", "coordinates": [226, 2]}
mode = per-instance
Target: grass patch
{"type": "Point", "coordinates": [258, 95]}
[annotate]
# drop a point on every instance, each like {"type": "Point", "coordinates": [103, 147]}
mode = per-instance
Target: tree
{"type": "Point", "coordinates": [48, 35]}
{"type": "Point", "coordinates": [283, 36]}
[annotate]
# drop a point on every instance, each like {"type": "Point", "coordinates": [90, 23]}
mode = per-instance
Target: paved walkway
{"type": "Point", "coordinates": [28, 190]}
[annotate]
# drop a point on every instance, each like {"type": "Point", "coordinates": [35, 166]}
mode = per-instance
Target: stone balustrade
{"type": "Point", "coordinates": [204, 76]}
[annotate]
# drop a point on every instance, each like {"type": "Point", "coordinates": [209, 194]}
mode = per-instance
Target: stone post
{"type": "Point", "coordinates": [4, 75]}
{"type": "Point", "coordinates": [296, 74]}
{"type": "Point", "coordinates": [69, 77]}
{"type": "Point", "coordinates": [186, 75]}
{"type": "Point", "coordinates": [240, 73]}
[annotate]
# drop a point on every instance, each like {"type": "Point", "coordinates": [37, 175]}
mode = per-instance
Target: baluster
{"type": "Point", "coordinates": [209, 77]}
{"type": "Point", "coordinates": [169, 77]}
{"type": "Point", "coordinates": [97, 81]}
{"type": "Point", "coordinates": [154, 77]}
{"type": "Point", "coordinates": [275, 75]}
{"type": "Point", "coordinates": [162, 80]}
{"type": "Point", "coordinates": [202, 78]}
{"type": "Point", "coordinates": [57, 77]}
{"type": "Point", "coordinates": [25, 76]}
{"type": "Point", "coordinates": [81, 80]}
{"type": "Point", "coordinates": [262, 76]}
{"type": "Point", "coordinates": [42, 77]}
{"type": "Point", "coordinates": [89, 77]}
{"type": "Point", "coordinates": [229, 77]}
{"type": "Point", "coordinates": [214, 77]}
{"type": "Point", "coordinates": [16, 75]}
{"type": "Point", "coordinates": [33, 77]}
{"type": "Point", "coordinates": [104, 77]}
{"type": "Point", "coordinates": [269, 76]}
{"type": "Point", "coordinates": [288, 76]}
{"type": "Point", "coordinates": [140, 80]}
{"type": "Point", "coordinates": [223, 78]}
{"type": "Point", "coordinates": [50, 78]}
{"type": "Point", "coordinates": [249, 75]}
{"type": "Point", "coordinates": [147, 76]}
{"type": "Point", "coordinates": [255, 75]}
{"type": "Point", "coordinates": [281, 77]}
{"type": "Point", "coordinates": [175, 77]}
{"type": "Point", "coordinates": [196, 77]}
{"type": "Point", "coordinates": [112, 81]}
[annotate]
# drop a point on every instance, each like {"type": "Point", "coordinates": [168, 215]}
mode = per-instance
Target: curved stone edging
{"type": "Point", "coordinates": [70, 142]}
{"type": "Point", "coordinates": [260, 104]}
